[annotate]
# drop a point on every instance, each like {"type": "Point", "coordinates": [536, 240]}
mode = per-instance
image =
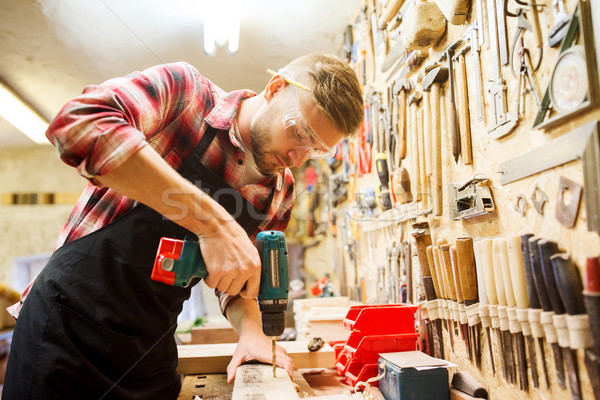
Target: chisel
{"type": "Point", "coordinates": [547, 249]}
{"type": "Point", "coordinates": [533, 315]}
{"type": "Point", "coordinates": [436, 316]}
{"type": "Point", "coordinates": [468, 283]}
{"type": "Point", "coordinates": [446, 270]}
{"type": "Point", "coordinates": [422, 236]}
{"type": "Point", "coordinates": [546, 314]}
{"type": "Point", "coordinates": [517, 275]}
{"type": "Point", "coordinates": [460, 302]}
{"type": "Point", "coordinates": [499, 251]}
{"type": "Point", "coordinates": [484, 309]}
{"type": "Point", "coordinates": [570, 292]}
{"type": "Point", "coordinates": [492, 292]}
{"type": "Point", "coordinates": [591, 297]}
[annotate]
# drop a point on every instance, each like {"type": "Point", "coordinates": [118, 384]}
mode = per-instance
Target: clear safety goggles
{"type": "Point", "coordinates": [297, 130]}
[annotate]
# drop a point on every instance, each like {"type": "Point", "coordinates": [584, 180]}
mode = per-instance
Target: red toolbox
{"type": "Point", "coordinates": [375, 329]}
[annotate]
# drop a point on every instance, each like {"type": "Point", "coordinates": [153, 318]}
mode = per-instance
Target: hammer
{"type": "Point", "coordinates": [431, 83]}
{"type": "Point", "coordinates": [463, 105]}
{"type": "Point", "coordinates": [427, 117]}
{"type": "Point", "coordinates": [455, 138]}
{"type": "Point", "coordinates": [417, 144]}
{"type": "Point", "coordinates": [401, 89]}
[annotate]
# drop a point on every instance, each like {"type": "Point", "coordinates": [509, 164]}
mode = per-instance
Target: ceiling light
{"type": "Point", "coordinates": [20, 115]}
{"type": "Point", "coordinates": [222, 25]}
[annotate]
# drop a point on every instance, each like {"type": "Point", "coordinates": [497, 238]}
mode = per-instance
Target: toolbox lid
{"type": "Point", "coordinates": [415, 359]}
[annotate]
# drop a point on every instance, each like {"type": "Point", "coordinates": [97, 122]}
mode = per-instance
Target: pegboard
{"type": "Point", "coordinates": [364, 240]}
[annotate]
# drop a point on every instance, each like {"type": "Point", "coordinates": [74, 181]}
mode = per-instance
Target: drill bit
{"type": "Point", "coordinates": [274, 364]}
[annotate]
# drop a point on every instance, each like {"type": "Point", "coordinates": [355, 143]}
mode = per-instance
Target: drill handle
{"type": "Point", "coordinates": [178, 262]}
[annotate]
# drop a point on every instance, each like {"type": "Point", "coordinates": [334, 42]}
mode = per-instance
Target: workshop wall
{"type": "Point", "coordinates": [364, 233]}
{"type": "Point", "coordinates": [28, 229]}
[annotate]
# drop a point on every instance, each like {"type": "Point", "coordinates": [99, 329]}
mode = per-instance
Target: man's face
{"type": "Point", "coordinates": [273, 147]}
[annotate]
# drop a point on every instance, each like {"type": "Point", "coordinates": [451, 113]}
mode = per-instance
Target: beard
{"type": "Point", "coordinates": [260, 139]}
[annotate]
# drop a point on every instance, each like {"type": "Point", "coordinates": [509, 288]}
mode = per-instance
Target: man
{"type": "Point", "coordinates": [168, 153]}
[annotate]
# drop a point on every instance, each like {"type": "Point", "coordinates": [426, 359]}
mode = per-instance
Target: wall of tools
{"type": "Point", "coordinates": [473, 188]}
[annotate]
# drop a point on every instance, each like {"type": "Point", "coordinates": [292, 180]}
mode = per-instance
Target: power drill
{"type": "Point", "coordinates": [177, 262]}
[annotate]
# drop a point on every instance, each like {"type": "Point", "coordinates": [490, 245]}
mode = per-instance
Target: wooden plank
{"type": "Point", "coordinates": [256, 382]}
{"type": "Point", "coordinates": [214, 358]}
{"type": "Point", "coordinates": [212, 333]}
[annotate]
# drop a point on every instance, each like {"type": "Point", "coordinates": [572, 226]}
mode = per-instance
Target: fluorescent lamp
{"type": "Point", "coordinates": [20, 115]}
{"type": "Point", "coordinates": [221, 25]}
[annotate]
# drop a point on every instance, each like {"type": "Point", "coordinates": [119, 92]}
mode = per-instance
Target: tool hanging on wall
{"type": "Point", "coordinates": [464, 126]}
{"type": "Point", "coordinates": [547, 312]}
{"type": "Point", "coordinates": [538, 199]}
{"type": "Point", "coordinates": [470, 199]}
{"type": "Point", "coordinates": [504, 121]}
{"type": "Point", "coordinates": [505, 301]}
{"type": "Point", "coordinates": [420, 232]}
{"type": "Point", "coordinates": [447, 55]}
{"type": "Point", "coordinates": [568, 147]}
{"type": "Point", "coordinates": [413, 102]}
{"type": "Point", "coordinates": [570, 289]}
{"type": "Point", "coordinates": [519, 325]}
{"type": "Point", "coordinates": [573, 86]}
{"type": "Point", "coordinates": [383, 173]}
{"type": "Point", "coordinates": [521, 205]}
{"type": "Point", "coordinates": [532, 316]}
{"type": "Point", "coordinates": [431, 83]}
{"type": "Point", "coordinates": [567, 209]}
{"type": "Point", "coordinates": [483, 267]}
{"type": "Point", "coordinates": [591, 179]}
{"type": "Point", "coordinates": [561, 23]}
{"type": "Point", "coordinates": [401, 90]}
{"type": "Point", "coordinates": [414, 59]}
{"type": "Point", "coordinates": [548, 249]}
{"type": "Point", "coordinates": [526, 80]}
{"type": "Point", "coordinates": [592, 304]}
{"type": "Point", "coordinates": [455, 11]}
{"type": "Point", "coordinates": [527, 24]}
{"type": "Point", "coordinates": [475, 34]}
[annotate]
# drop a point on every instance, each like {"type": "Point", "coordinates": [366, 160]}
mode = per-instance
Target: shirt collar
{"type": "Point", "coordinates": [223, 113]}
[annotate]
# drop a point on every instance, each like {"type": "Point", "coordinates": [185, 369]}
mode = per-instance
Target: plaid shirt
{"type": "Point", "coordinates": [167, 107]}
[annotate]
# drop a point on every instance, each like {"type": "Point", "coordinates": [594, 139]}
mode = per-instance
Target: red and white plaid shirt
{"type": "Point", "coordinates": [167, 107]}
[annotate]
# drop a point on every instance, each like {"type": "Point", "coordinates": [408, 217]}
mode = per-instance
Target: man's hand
{"type": "Point", "coordinates": [230, 257]}
{"type": "Point", "coordinates": [258, 347]}
{"type": "Point", "coordinates": [231, 260]}
{"type": "Point", "coordinates": [253, 345]}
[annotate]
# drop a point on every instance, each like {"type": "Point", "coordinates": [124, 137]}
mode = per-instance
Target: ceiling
{"type": "Point", "coordinates": [51, 49]}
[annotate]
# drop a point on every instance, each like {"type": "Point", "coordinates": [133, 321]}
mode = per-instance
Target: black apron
{"type": "Point", "coordinates": [94, 325]}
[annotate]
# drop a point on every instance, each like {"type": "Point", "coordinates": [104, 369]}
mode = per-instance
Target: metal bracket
{"type": "Point", "coordinates": [521, 205]}
{"type": "Point", "coordinates": [538, 198]}
{"type": "Point", "coordinates": [566, 212]}
{"type": "Point", "coordinates": [470, 199]}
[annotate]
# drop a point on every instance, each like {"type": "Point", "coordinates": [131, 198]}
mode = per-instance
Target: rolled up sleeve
{"type": "Point", "coordinates": [99, 130]}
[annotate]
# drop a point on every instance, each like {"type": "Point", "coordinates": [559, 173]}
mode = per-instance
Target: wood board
{"type": "Point", "coordinates": [256, 382]}
{"type": "Point", "coordinates": [212, 333]}
{"type": "Point", "coordinates": [214, 358]}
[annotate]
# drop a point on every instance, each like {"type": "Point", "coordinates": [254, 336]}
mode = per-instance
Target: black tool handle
{"type": "Point", "coordinates": [538, 278]}
{"type": "Point", "coordinates": [569, 283]}
{"type": "Point", "coordinates": [547, 249]}
{"type": "Point", "coordinates": [534, 300]}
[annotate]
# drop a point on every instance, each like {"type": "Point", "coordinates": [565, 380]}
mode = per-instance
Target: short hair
{"type": "Point", "coordinates": [334, 86]}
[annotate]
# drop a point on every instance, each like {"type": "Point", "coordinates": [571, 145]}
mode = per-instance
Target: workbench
{"type": "Point", "coordinates": [311, 383]}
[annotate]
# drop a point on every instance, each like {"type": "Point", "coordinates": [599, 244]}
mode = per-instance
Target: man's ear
{"type": "Point", "coordinates": [276, 84]}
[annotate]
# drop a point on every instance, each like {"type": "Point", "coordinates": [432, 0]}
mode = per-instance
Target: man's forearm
{"type": "Point", "coordinates": [244, 316]}
{"type": "Point", "coordinates": [147, 178]}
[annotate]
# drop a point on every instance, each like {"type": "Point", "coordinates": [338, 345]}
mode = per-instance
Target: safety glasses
{"type": "Point", "coordinates": [296, 129]}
